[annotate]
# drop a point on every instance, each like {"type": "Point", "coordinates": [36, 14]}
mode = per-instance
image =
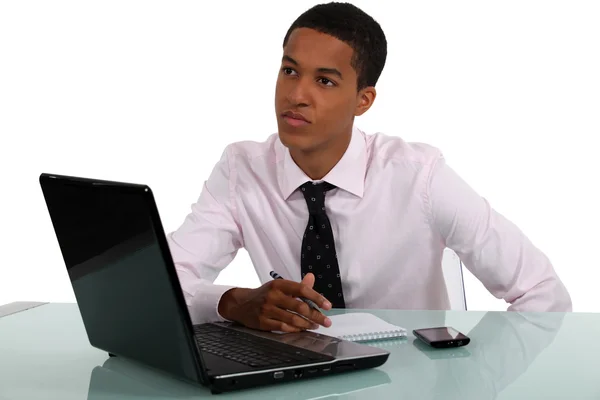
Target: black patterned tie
{"type": "Point", "coordinates": [318, 248]}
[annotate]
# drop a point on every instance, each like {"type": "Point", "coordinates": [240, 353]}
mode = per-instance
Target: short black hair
{"type": "Point", "coordinates": [351, 25]}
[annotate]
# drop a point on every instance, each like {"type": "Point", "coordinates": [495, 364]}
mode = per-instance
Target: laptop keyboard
{"type": "Point", "coordinates": [251, 350]}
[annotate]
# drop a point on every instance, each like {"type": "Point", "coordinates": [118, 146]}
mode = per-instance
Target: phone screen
{"type": "Point", "coordinates": [441, 334]}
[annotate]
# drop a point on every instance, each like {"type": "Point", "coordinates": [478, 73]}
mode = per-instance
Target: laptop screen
{"type": "Point", "coordinates": [97, 224]}
{"type": "Point", "coordinates": [110, 239]}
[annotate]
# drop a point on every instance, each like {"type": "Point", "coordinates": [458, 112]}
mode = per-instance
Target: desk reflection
{"type": "Point", "coordinates": [122, 379]}
{"type": "Point", "coordinates": [503, 346]}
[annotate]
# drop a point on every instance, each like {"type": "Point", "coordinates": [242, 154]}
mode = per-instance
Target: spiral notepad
{"type": "Point", "coordinates": [361, 327]}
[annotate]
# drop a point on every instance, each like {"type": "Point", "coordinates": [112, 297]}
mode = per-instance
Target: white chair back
{"type": "Point", "coordinates": [453, 275]}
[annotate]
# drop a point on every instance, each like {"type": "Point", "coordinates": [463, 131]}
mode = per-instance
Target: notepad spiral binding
{"type": "Point", "coordinates": [363, 337]}
{"type": "Point", "coordinates": [390, 342]}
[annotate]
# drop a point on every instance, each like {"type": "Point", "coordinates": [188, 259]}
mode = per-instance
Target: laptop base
{"type": "Point", "coordinates": [233, 383]}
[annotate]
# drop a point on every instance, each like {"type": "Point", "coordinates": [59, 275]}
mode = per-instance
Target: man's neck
{"type": "Point", "coordinates": [317, 163]}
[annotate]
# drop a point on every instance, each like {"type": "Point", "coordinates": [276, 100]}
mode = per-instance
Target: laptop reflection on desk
{"type": "Point", "coordinates": [123, 379]}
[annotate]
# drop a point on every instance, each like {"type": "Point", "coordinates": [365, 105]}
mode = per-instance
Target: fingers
{"type": "Point", "coordinates": [309, 280]}
{"type": "Point", "coordinates": [303, 309]}
{"type": "Point", "coordinates": [292, 319]}
{"type": "Point", "coordinates": [272, 317]}
{"type": "Point", "coordinates": [281, 310]}
{"type": "Point", "coordinates": [296, 289]}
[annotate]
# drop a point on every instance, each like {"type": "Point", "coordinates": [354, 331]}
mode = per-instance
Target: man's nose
{"type": "Point", "coordinates": [299, 94]}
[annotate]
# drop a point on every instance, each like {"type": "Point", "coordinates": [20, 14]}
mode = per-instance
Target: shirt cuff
{"type": "Point", "coordinates": [204, 304]}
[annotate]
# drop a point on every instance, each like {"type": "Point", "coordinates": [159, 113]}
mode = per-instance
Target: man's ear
{"type": "Point", "coordinates": [364, 100]}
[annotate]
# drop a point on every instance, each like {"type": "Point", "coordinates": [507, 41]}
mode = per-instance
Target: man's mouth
{"type": "Point", "coordinates": [295, 119]}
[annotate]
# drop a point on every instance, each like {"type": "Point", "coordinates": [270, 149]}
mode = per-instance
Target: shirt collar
{"type": "Point", "coordinates": [348, 174]}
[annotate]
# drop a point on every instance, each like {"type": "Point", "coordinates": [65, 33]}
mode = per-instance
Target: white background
{"type": "Point", "coordinates": [151, 92]}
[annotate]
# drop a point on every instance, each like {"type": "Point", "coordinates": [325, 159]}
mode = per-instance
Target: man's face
{"type": "Point", "coordinates": [317, 83]}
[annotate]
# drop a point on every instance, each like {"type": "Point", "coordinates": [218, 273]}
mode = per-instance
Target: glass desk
{"type": "Point", "coordinates": [45, 354]}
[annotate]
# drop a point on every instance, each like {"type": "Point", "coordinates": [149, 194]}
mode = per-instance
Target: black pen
{"type": "Point", "coordinates": [310, 303]}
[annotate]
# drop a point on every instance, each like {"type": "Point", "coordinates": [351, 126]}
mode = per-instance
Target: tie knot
{"type": "Point", "coordinates": [314, 194]}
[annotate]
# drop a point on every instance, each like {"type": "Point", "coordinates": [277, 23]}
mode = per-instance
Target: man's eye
{"type": "Point", "coordinates": [326, 82]}
{"type": "Point", "coordinates": [287, 71]}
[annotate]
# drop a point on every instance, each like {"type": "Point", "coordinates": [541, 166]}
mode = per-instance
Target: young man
{"type": "Point", "coordinates": [348, 219]}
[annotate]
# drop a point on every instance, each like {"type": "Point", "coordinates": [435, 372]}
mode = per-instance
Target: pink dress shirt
{"type": "Point", "coordinates": [396, 207]}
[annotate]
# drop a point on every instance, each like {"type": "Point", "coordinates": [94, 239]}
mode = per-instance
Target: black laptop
{"type": "Point", "coordinates": [131, 303]}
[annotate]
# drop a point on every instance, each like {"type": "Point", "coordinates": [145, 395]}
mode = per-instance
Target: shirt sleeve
{"type": "Point", "coordinates": [206, 242]}
{"type": "Point", "coordinates": [491, 247]}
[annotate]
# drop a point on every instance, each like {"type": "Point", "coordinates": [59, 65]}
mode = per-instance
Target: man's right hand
{"type": "Point", "coordinates": [268, 307]}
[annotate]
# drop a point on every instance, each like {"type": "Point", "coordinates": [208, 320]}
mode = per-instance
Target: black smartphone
{"type": "Point", "coordinates": [442, 337]}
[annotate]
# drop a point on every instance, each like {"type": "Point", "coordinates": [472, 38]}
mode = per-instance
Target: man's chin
{"type": "Point", "coordinates": [295, 140]}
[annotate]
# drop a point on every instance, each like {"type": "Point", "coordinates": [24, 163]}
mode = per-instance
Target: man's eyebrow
{"type": "Point", "coordinates": [289, 59]}
{"type": "Point", "coordinates": [331, 71]}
